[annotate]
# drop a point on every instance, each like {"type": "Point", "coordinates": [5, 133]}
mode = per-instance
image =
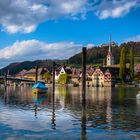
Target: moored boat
{"type": "Point", "coordinates": [39, 88]}
{"type": "Point", "coordinates": [138, 95]}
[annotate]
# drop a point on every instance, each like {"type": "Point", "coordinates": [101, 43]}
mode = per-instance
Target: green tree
{"type": "Point", "coordinates": [131, 64]}
{"type": "Point", "coordinates": [122, 72]}
{"type": "Point", "coordinates": [63, 79]}
{"type": "Point", "coordinates": [47, 77]}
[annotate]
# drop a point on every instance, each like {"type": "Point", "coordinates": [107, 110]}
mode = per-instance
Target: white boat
{"type": "Point", "coordinates": [138, 95]}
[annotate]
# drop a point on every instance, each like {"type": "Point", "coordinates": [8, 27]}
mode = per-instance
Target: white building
{"type": "Point", "coordinates": [104, 76]}
{"type": "Point", "coordinates": [98, 77]}
{"type": "Point", "coordinates": [62, 70]}
{"type": "Point", "coordinates": [110, 58]}
{"type": "Point", "coordinates": [58, 73]}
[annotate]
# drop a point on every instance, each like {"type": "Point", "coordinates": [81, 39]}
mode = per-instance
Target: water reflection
{"type": "Point", "coordinates": [39, 100]}
{"type": "Point", "coordinates": [53, 110]}
{"type": "Point", "coordinates": [107, 111]}
{"type": "Point", "coordinates": [6, 96]}
{"type": "Point", "coordinates": [83, 122]}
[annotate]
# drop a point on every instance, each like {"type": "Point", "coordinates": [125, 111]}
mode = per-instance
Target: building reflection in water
{"type": "Point", "coordinates": [6, 94]}
{"type": "Point", "coordinates": [138, 104]}
{"type": "Point", "coordinates": [98, 102]}
{"type": "Point", "coordinates": [96, 113]}
{"type": "Point", "coordinates": [53, 111]}
{"type": "Point", "coordinates": [70, 100]}
{"type": "Point", "coordinates": [108, 108]}
{"type": "Point", "coordinates": [99, 107]}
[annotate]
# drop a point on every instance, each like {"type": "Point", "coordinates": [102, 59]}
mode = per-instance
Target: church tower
{"type": "Point", "coordinates": [110, 58]}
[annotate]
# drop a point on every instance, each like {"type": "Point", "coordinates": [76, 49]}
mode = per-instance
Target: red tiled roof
{"type": "Point", "coordinates": [137, 67]}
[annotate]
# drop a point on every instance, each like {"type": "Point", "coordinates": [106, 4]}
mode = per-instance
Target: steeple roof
{"type": "Point", "coordinates": [109, 49]}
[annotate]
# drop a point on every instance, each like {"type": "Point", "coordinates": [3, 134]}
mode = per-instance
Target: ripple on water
{"type": "Point", "coordinates": [106, 115]}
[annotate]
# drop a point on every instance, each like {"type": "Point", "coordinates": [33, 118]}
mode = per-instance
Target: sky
{"type": "Point", "coordinates": [58, 29]}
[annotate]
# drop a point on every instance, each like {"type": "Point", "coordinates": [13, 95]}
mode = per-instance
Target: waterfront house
{"type": "Point", "coordinates": [137, 68]}
{"type": "Point", "coordinates": [75, 77]}
{"type": "Point", "coordinates": [89, 72]}
{"type": "Point", "coordinates": [21, 74]}
{"type": "Point", "coordinates": [111, 76]}
{"type": "Point", "coordinates": [31, 74]}
{"type": "Point", "coordinates": [61, 71]}
{"type": "Point", "coordinates": [98, 77]}
{"type": "Point", "coordinates": [105, 76]}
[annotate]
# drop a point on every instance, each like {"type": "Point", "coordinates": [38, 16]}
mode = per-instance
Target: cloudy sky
{"type": "Point", "coordinates": [41, 29]}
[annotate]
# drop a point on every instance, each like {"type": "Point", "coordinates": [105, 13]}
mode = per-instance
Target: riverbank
{"type": "Point", "coordinates": [127, 85]}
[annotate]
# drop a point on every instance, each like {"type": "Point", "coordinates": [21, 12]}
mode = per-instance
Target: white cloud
{"type": "Point", "coordinates": [25, 15]}
{"type": "Point", "coordinates": [90, 45]}
{"type": "Point", "coordinates": [16, 28]}
{"type": "Point", "coordinates": [35, 49]}
{"type": "Point", "coordinates": [115, 9]}
{"type": "Point", "coordinates": [135, 38]}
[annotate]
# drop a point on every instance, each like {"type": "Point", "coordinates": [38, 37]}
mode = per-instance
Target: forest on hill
{"type": "Point", "coordinates": [95, 55]}
{"type": "Point", "coordinates": [14, 68]}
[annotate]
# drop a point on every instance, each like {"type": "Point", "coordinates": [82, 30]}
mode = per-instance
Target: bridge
{"type": "Point", "coordinates": [16, 79]}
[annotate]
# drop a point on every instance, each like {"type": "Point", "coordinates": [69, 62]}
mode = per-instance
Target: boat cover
{"type": "Point", "coordinates": [40, 85]}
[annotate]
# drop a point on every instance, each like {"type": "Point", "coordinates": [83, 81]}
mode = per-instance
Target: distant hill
{"type": "Point", "coordinates": [95, 55]}
{"type": "Point", "coordinates": [14, 68]}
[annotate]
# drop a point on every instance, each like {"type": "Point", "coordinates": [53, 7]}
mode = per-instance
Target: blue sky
{"type": "Point", "coordinates": [47, 29]}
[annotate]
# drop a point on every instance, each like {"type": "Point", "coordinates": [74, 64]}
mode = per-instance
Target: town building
{"type": "Point", "coordinates": [61, 71]}
{"type": "Point", "coordinates": [105, 76]}
{"type": "Point", "coordinates": [75, 77]}
{"type": "Point", "coordinates": [137, 68]}
{"type": "Point", "coordinates": [98, 77]}
{"type": "Point", "coordinates": [43, 74]}
{"type": "Point", "coordinates": [110, 58]}
{"type": "Point", "coordinates": [21, 74]}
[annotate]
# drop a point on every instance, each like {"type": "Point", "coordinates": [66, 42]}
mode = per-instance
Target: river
{"type": "Point", "coordinates": [109, 113]}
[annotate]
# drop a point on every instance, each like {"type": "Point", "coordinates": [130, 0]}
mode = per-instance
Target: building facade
{"type": "Point", "coordinates": [110, 58]}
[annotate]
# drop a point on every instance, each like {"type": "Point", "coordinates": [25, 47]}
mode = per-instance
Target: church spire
{"type": "Point", "coordinates": [109, 50]}
{"type": "Point", "coordinates": [110, 58]}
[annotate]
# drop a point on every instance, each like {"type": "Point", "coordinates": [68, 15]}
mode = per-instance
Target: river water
{"type": "Point", "coordinates": [109, 113]}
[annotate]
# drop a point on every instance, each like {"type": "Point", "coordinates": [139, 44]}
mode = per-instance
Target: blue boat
{"type": "Point", "coordinates": [39, 88]}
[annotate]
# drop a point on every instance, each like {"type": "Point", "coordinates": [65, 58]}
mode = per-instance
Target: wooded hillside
{"type": "Point", "coordinates": [95, 55]}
